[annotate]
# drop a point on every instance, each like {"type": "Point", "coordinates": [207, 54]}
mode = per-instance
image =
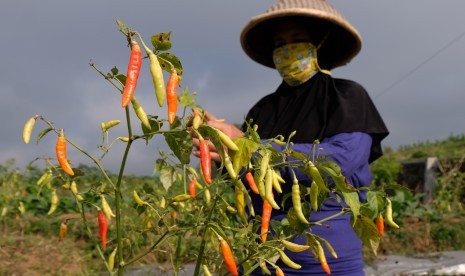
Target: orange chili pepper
{"type": "Point", "coordinates": [103, 227]}
{"type": "Point", "coordinates": [380, 224]}
{"type": "Point", "coordinates": [266, 216]}
{"type": "Point", "coordinates": [228, 257]}
{"type": "Point", "coordinates": [279, 271]}
{"type": "Point", "coordinates": [251, 181]}
{"type": "Point", "coordinates": [192, 187]}
{"type": "Point", "coordinates": [205, 160]}
{"type": "Point", "coordinates": [172, 95]}
{"type": "Point", "coordinates": [61, 153]}
{"type": "Point", "coordinates": [63, 230]}
{"type": "Point", "coordinates": [134, 66]}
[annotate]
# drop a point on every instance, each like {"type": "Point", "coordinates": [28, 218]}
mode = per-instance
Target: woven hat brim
{"type": "Point", "coordinates": [342, 44]}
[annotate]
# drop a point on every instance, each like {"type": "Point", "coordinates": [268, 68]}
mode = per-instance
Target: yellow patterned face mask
{"type": "Point", "coordinates": [296, 62]}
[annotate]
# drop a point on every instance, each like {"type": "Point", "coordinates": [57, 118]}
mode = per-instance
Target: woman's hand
{"type": "Point", "coordinates": [228, 129]}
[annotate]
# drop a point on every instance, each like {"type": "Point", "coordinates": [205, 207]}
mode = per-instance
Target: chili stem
{"type": "Point", "coordinates": [177, 264]}
{"type": "Point", "coordinates": [343, 212]}
{"type": "Point", "coordinates": [135, 259]}
{"type": "Point", "coordinates": [204, 239]}
{"type": "Point", "coordinates": [119, 232]}
{"type": "Point", "coordinates": [85, 153]}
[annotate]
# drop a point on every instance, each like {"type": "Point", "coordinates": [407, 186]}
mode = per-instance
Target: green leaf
{"type": "Point", "coordinates": [294, 221]}
{"type": "Point", "coordinates": [329, 247]}
{"type": "Point", "coordinates": [375, 200]}
{"type": "Point", "coordinates": [366, 230]}
{"type": "Point", "coordinates": [186, 99]}
{"type": "Point", "coordinates": [331, 167]}
{"type": "Point", "coordinates": [122, 27]}
{"type": "Point", "coordinates": [353, 201]}
{"type": "Point", "coordinates": [168, 174]}
{"type": "Point", "coordinates": [372, 201]}
{"type": "Point", "coordinates": [342, 184]}
{"type": "Point", "coordinates": [242, 157]}
{"type": "Point", "coordinates": [334, 172]}
{"type": "Point", "coordinates": [312, 241]}
{"type": "Point", "coordinates": [155, 126]}
{"type": "Point", "coordinates": [367, 211]}
{"type": "Point", "coordinates": [121, 78]}
{"type": "Point", "coordinates": [298, 155]}
{"type": "Point", "coordinates": [180, 142]}
{"type": "Point", "coordinates": [397, 187]}
{"type": "Point", "coordinates": [276, 226]}
{"type": "Point", "coordinates": [161, 41]}
{"type": "Point", "coordinates": [176, 123]}
{"type": "Point", "coordinates": [114, 71]}
{"type": "Point", "coordinates": [43, 133]}
{"type": "Point", "coordinates": [286, 227]}
{"type": "Point", "coordinates": [165, 59]}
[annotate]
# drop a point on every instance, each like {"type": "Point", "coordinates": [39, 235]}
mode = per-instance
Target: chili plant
{"type": "Point", "coordinates": [208, 202]}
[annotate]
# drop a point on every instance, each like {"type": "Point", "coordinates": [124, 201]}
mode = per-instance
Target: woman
{"type": "Point", "coordinates": [303, 41]}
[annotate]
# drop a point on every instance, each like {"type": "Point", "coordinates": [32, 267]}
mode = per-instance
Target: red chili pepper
{"type": "Point", "coordinates": [134, 66]}
{"type": "Point", "coordinates": [103, 227]}
{"type": "Point", "coordinates": [380, 224]}
{"type": "Point", "coordinates": [192, 187]}
{"type": "Point", "coordinates": [251, 181]}
{"type": "Point", "coordinates": [228, 257]}
{"type": "Point", "coordinates": [172, 95]}
{"type": "Point", "coordinates": [61, 154]}
{"type": "Point", "coordinates": [205, 161]}
{"type": "Point", "coordinates": [266, 215]}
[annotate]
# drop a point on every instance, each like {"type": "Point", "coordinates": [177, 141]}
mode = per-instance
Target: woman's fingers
{"type": "Point", "coordinates": [208, 116]}
{"type": "Point", "coordinates": [228, 129]}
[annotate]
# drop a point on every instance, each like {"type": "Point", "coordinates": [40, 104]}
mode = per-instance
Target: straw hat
{"type": "Point", "coordinates": [340, 46]}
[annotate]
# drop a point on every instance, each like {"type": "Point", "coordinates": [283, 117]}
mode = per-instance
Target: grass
{"type": "Point", "coordinates": [419, 236]}
{"type": "Point", "coordinates": [26, 251]}
{"type": "Point", "coordinates": [40, 253]}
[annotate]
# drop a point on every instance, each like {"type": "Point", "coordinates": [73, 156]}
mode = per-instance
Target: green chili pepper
{"type": "Point", "coordinates": [269, 189]}
{"type": "Point", "coordinates": [140, 113]}
{"type": "Point", "coordinates": [314, 173]}
{"type": "Point", "coordinates": [181, 197]}
{"type": "Point", "coordinates": [227, 141]}
{"type": "Point", "coordinates": [53, 202]}
{"type": "Point", "coordinates": [389, 219]}
{"type": "Point", "coordinates": [157, 75]}
{"type": "Point", "coordinates": [314, 196]}
{"type": "Point", "coordinates": [28, 127]}
{"type": "Point", "coordinates": [296, 203]}
{"type": "Point", "coordinates": [287, 261]}
{"type": "Point", "coordinates": [294, 247]}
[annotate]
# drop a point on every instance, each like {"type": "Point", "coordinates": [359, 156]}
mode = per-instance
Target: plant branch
{"type": "Point", "coordinates": [135, 259]}
{"type": "Point", "coordinates": [204, 239]}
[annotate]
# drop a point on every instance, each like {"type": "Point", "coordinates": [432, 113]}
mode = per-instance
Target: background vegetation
{"type": "Point", "coordinates": [30, 243]}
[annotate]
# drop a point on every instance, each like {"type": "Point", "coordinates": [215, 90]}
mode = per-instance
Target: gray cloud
{"type": "Point", "coordinates": [46, 47]}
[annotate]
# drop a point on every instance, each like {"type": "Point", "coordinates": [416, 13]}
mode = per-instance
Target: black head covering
{"type": "Point", "coordinates": [321, 107]}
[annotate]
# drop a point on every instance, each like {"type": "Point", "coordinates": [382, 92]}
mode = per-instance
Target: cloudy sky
{"type": "Point", "coordinates": [411, 63]}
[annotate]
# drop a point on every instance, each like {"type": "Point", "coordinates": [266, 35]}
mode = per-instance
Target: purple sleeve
{"type": "Point", "coordinates": [349, 150]}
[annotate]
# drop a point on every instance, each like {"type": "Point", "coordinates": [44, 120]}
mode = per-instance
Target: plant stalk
{"type": "Point", "coordinates": [204, 239]}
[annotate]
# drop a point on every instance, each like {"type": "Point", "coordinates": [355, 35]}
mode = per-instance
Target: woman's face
{"type": "Point", "coordinates": [290, 32]}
